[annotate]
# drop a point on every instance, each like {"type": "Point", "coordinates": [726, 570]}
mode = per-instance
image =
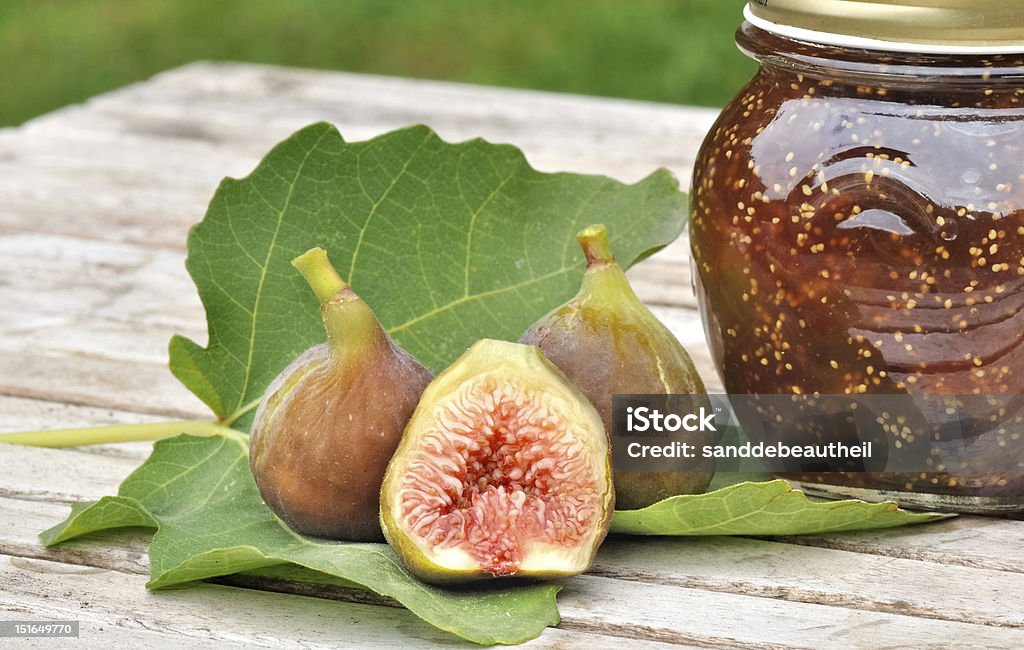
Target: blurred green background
{"type": "Point", "coordinates": [56, 52]}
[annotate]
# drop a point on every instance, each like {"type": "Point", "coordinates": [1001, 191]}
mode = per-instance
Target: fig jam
{"type": "Point", "coordinates": [857, 228]}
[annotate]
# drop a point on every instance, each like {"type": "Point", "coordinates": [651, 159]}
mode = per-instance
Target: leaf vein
{"type": "Point", "coordinates": [266, 264]}
{"type": "Point", "coordinates": [477, 296]}
{"type": "Point", "coordinates": [376, 207]}
{"type": "Point", "coordinates": [472, 227]}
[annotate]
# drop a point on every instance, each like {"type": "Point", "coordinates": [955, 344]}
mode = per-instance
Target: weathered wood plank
{"type": "Point", "coordinates": [637, 606]}
{"type": "Point", "coordinates": [115, 607]}
{"type": "Point", "coordinates": [69, 476]}
{"type": "Point", "coordinates": [125, 552]}
{"type": "Point", "coordinates": [187, 166]}
{"type": "Point", "coordinates": [104, 341]}
{"type": "Point", "coordinates": [94, 381]}
{"type": "Point", "coordinates": [37, 199]}
{"type": "Point", "coordinates": [102, 634]}
{"type": "Point", "coordinates": [407, 98]}
{"type": "Point", "coordinates": [730, 565]}
{"type": "Point", "coordinates": [75, 377]}
{"type": "Point", "coordinates": [730, 620]}
{"type": "Point", "coordinates": [136, 283]}
{"type": "Point", "coordinates": [96, 212]}
{"type": "Point", "coordinates": [963, 541]}
{"type": "Point", "coordinates": [221, 123]}
{"type": "Point", "coordinates": [786, 571]}
{"type": "Point", "coordinates": [142, 191]}
{"type": "Point", "coordinates": [55, 275]}
{"type": "Point", "coordinates": [88, 335]}
{"type": "Point", "coordinates": [236, 104]}
{"type": "Point", "coordinates": [153, 189]}
{"type": "Point", "coordinates": [117, 188]}
{"type": "Point", "coordinates": [95, 371]}
{"type": "Point", "coordinates": [21, 522]}
{"type": "Point", "coordinates": [757, 568]}
{"type": "Point", "coordinates": [35, 250]}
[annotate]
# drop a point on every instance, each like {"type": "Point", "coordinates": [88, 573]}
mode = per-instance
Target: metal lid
{"type": "Point", "coordinates": [926, 26]}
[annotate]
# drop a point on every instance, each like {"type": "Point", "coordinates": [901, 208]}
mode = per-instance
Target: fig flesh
{"type": "Point", "coordinates": [504, 470]}
{"type": "Point", "coordinates": [608, 343]}
{"type": "Point", "coordinates": [329, 423]}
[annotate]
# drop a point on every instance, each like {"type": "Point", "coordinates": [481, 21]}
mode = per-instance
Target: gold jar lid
{"type": "Point", "coordinates": [925, 26]}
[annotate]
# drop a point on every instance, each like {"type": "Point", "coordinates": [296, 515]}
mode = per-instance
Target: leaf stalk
{"type": "Point", "coordinates": [116, 433]}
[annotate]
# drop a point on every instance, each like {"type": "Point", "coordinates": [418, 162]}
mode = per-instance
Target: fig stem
{"type": "Point", "coordinates": [322, 278]}
{"type": "Point", "coordinates": [594, 241]}
{"type": "Point", "coordinates": [116, 433]}
{"type": "Point", "coordinates": [353, 331]}
{"type": "Point", "coordinates": [603, 277]}
{"type": "Point", "coordinates": [352, 328]}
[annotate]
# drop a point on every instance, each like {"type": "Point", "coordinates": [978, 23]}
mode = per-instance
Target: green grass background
{"type": "Point", "coordinates": [55, 52]}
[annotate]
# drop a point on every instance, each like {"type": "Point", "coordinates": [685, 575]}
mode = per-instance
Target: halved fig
{"type": "Point", "coordinates": [503, 470]}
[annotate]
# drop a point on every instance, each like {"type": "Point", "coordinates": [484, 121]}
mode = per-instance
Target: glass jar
{"type": "Point", "coordinates": [857, 228]}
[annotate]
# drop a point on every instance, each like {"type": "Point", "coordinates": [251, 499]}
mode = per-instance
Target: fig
{"type": "Point", "coordinates": [329, 423]}
{"type": "Point", "coordinates": [504, 470]}
{"type": "Point", "coordinates": [609, 343]}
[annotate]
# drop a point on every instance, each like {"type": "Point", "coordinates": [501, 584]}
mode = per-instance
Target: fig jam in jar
{"type": "Point", "coordinates": [857, 228]}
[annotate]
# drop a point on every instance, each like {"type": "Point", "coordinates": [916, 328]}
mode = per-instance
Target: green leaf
{"type": "Point", "coordinates": [200, 496]}
{"type": "Point", "coordinates": [449, 243]}
{"type": "Point", "coordinates": [769, 508]}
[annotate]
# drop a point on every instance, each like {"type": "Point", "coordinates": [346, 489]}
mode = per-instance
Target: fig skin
{"type": "Point", "coordinates": [510, 364]}
{"type": "Point", "coordinates": [609, 343]}
{"type": "Point", "coordinates": [329, 423]}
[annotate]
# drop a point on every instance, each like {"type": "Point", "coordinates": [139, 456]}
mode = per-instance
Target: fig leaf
{"type": "Point", "coordinates": [449, 243]}
{"type": "Point", "coordinates": [768, 508]}
{"type": "Point", "coordinates": [198, 493]}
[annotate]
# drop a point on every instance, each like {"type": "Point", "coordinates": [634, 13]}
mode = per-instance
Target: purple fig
{"type": "Point", "coordinates": [329, 423]}
{"type": "Point", "coordinates": [609, 343]}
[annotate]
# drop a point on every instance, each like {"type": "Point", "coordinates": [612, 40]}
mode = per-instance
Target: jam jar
{"type": "Point", "coordinates": [857, 228]}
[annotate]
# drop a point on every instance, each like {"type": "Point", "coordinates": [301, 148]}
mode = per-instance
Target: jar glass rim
{"type": "Point", "coordinates": [861, 42]}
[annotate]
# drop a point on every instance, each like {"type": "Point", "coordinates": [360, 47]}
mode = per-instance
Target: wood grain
{"type": "Point", "coordinates": [110, 604]}
{"type": "Point", "coordinates": [775, 574]}
{"type": "Point", "coordinates": [604, 605]}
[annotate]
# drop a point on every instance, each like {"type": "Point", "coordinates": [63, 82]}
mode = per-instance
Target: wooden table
{"type": "Point", "coordinates": [95, 202]}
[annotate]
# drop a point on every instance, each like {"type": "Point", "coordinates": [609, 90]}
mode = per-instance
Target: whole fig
{"type": "Point", "coordinates": [504, 470]}
{"type": "Point", "coordinates": [608, 343]}
{"type": "Point", "coordinates": [329, 423]}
